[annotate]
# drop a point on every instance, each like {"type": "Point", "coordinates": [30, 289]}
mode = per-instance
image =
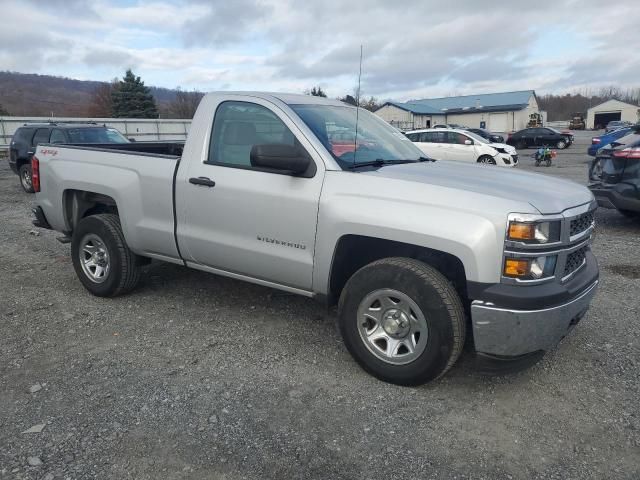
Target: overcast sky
{"type": "Point", "coordinates": [412, 48]}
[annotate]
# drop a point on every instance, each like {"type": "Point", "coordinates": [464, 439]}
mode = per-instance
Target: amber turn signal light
{"type": "Point", "coordinates": [516, 267]}
{"type": "Point", "coordinates": [522, 231]}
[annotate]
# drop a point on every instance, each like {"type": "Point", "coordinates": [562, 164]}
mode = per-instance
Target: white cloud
{"type": "Point", "coordinates": [413, 49]}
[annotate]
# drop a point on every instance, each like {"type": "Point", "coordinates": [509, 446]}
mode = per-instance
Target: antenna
{"type": "Point", "coordinates": [355, 139]}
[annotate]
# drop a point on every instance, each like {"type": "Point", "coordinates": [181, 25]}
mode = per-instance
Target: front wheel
{"type": "Point", "coordinates": [561, 144]}
{"type": "Point", "coordinates": [101, 258]}
{"type": "Point", "coordinates": [402, 321]}
{"type": "Point", "coordinates": [25, 178]}
{"type": "Point", "coordinates": [487, 160]}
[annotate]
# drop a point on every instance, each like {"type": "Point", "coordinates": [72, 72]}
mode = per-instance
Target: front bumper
{"type": "Point", "coordinates": [511, 333]}
{"type": "Point", "coordinates": [506, 160]}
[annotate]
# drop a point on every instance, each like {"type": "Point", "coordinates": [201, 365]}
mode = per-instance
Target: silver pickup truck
{"type": "Point", "coordinates": [314, 197]}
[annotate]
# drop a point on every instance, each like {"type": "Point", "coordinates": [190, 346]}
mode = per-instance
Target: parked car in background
{"type": "Point", "coordinates": [487, 135]}
{"type": "Point", "coordinates": [462, 146]}
{"type": "Point", "coordinates": [616, 124]}
{"type": "Point", "coordinates": [540, 137]}
{"type": "Point", "coordinates": [260, 195]}
{"type": "Point", "coordinates": [615, 176]}
{"type": "Point", "coordinates": [604, 140]}
{"type": "Point", "coordinates": [26, 139]}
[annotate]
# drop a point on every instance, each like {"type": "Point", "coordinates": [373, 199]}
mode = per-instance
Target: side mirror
{"type": "Point", "coordinates": [131, 139]}
{"type": "Point", "coordinates": [285, 158]}
{"type": "Point", "coordinates": [468, 142]}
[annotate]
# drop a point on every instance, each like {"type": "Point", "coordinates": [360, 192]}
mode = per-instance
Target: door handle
{"type": "Point", "coordinates": [207, 182]}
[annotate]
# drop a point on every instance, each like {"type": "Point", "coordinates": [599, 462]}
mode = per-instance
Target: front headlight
{"type": "Point", "coordinates": [530, 268]}
{"type": "Point", "coordinates": [534, 232]}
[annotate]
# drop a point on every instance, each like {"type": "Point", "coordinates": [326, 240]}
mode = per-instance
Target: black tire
{"type": "Point", "coordinates": [487, 160]}
{"type": "Point", "coordinates": [25, 177]}
{"type": "Point", "coordinates": [124, 271]}
{"type": "Point", "coordinates": [562, 144]}
{"type": "Point", "coordinates": [434, 296]}
{"type": "Point", "coordinates": [520, 145]}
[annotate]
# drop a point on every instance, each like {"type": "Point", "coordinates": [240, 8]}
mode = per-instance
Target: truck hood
{"type": "Point", "coordinates": [547, 194]}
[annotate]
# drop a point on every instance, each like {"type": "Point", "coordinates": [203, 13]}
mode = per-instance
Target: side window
{"type": "Point", "coordinates": [413, 137]}
{"type": "Point", "coordinates": [440, 137]}
{"type": "Point", "coordinates": [238, 126]}
{"type": "Point", "coordinates": [456, 138]}
{"type": "Point", "coordinates": [57, 136]}
{"type": "Point", "coordinates": [41, 136]}
{"type": "Point", "coordinates": [426, 137]}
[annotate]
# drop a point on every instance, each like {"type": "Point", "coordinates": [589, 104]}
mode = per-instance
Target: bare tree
{"type": "Point", "coordinates": [370, 104]}
{"type": "Point", "coordinates": [101, 100]}
{"type": "Point", "coordinates": [185, 104]}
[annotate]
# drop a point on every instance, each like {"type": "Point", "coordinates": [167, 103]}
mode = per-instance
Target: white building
{"type": "Point", "coordinates": [600, 115]}
{"type": "Point", "coordinates": [498, 112]}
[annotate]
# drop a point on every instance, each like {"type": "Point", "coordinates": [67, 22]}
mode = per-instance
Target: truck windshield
{"type": "Point", "coordinates": [96, 135]}
{"type": "Point", "coordinates": [335, 127]}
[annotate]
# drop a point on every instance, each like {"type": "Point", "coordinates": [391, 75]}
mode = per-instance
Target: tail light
{"type": "Point", "coordinates": [628, 153]}
{"type": "Point", "coordinates": [35, 174]}
{"type": "Point", "coordinates": [595, 140]}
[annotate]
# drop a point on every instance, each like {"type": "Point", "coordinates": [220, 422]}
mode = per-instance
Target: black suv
{"type": "Point", "coordinates": [615, 175]}
{"type": "Point", "coordinates": [540, 137]}
{"type": "Point", "coordinates": [26, 139]}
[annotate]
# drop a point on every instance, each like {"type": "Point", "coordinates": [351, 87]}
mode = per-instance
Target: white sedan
{"type": "Point", "coordinates": [462, 146]}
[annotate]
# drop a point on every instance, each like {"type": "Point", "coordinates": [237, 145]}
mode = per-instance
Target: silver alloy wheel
{"type": "Point", "coordinates": [561, 144]}
{"type": "Point", "coordinates": [94, 258]}
{"type": "Point", "coordinates": [392, 326]}
{"type": "Point", "coordinates": [26, 179]}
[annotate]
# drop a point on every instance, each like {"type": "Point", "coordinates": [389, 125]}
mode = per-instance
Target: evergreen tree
{"type": "Point", "coordinates": [316, 92]}
{"type": "Point", "coordinates": [131, 99]}
{"type": "Point", "coordinates": [3, 111]}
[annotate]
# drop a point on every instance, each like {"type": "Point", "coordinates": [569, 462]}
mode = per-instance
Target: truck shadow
{"type": "Point", "coordinates": [278, 311]}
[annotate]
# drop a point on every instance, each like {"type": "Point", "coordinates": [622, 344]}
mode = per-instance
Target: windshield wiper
{"type": "Point", "coordinates": [379, 162]}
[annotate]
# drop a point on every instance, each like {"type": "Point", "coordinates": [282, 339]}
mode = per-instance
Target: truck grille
{"type": "Point", "coordinates": [581, 223]}
{"type": "Point", "coordinates": [575, 261]}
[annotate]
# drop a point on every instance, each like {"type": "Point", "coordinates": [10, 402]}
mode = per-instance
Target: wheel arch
{"type": "Point", "coordinates": [78, 204]}
{"type": "Point", "coordinates": [353, 252]}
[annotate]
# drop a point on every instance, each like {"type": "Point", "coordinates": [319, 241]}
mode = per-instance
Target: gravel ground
{"type": "Point", "coordinates": [197, 376]}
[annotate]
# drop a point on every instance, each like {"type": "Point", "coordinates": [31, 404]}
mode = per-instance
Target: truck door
{"type": "Point", "coordinates": [243, 220]}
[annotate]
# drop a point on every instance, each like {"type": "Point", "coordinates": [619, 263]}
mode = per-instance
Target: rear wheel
{"type": "Point", "coordinates": [487, 159]}
{"type": "Point", "coordinates": [520, 145]}
{"type": "Point", "coordinates": [101, 258]}
{"type": "Point", "coordinates": [25, 178]}
{"type": "Point", "coordinates": [402, 321]}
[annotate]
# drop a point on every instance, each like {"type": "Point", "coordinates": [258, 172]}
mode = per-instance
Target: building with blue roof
{"type": "Point", "coordinates": [498, 112]}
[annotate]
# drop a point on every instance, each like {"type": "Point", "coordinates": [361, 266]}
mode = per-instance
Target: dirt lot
{"type": "Point", "coordinates": [196, 376]}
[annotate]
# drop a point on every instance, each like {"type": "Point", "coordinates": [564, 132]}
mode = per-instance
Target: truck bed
{"type": "Point", "coordinates": [173, 149]}
{"type": "Point", "coordinates": [138, 176]}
